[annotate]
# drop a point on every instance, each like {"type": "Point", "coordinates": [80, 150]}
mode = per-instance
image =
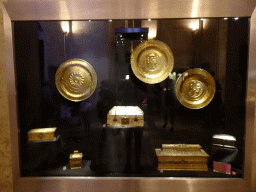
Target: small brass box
{"type": "Point", "coordinates": [39, 134]}
{"type": "Point", "coordinates": [76, 160]}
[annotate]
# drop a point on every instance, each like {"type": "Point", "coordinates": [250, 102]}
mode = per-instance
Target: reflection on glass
{"type": "Point", "coordinates": [65, 26]}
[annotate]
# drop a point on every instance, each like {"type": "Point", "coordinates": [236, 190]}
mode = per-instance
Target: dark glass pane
{"type": "Point", "coordinates": [216, 45]}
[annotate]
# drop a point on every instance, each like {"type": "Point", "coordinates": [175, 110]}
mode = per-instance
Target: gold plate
{"type": "Point", "coordinates": [76, 80]}
{"type": "Point", "coordinates": [195, 88]}
{"type": "Point", "coordinates": [152, 61]}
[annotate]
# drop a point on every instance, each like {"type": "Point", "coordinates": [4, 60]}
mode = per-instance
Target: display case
{"type": "Point", "coordinates": [138, 59]}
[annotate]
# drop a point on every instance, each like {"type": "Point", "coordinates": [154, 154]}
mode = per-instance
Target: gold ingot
{"type": "Point", "coordinates": [195, 88]}
{"type": "Point", "coordinates": [76, 80]}
{"type": "Point", "coordinates": [152, 61]}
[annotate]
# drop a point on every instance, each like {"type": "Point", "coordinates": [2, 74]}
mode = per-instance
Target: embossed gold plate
{"type": "Point", "coordinates": [76, 80]}
{"type": "Point", "coordinates": [195, 88]}
{"type": "Point", "coordinates": [152, 61]}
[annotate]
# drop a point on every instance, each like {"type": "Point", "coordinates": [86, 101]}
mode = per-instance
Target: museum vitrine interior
{"type": "Point", "coordinates": [142, 97]}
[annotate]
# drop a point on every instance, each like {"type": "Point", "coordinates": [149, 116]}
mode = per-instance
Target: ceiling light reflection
{"type": "Point", "coordinates": [194, 26]}
{"type": "Point", "coordinates": [65, 26]}
{"type": "Point", "coordinates": [152, 28]}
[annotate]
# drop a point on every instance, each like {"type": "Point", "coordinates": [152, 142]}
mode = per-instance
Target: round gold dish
{"type": "Point", "coordinates": [76, 80]}
{"type": "Point", "coordinates": [195, 88]}
{"type": "Point", "coordinates": [152, 61]}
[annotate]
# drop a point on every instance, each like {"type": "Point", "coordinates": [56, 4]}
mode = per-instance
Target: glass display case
{"type": "Point", "coordinates": [216, 45]}
{"type": "Point", "coordinates": [112, 52]}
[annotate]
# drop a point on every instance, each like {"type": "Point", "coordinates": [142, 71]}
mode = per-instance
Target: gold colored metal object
{"type": "Point", "coordinates": [76, 160]}
{"type": "Point", "coordinates": [125, 116]}
{"type": "Point", "coordinates": [181, 147]}
{"type": "Point", "coordinates": [195, 88]}
{"type": "Point", "coordinates": [152, 61]}
{"type": "Point", "coordinates": [182, 160]}
{"type": "Point", "coordinates": [76, 80]}
{"type": "Point", "coordinates": [125, 121]}
{"type": "Point", "coordinates": [40, 134]}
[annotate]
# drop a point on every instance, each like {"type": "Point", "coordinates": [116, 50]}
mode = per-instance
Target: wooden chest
{"type": "Point", "coordinates": [39, 134]}
{"type": "Point", "coordinates": [125, 116]}
{"type": "Point", "coordinates": [76, 160]}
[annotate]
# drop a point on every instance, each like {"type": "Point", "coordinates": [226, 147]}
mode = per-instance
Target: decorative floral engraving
{"type": "Point", "coordinates": [76, 79]}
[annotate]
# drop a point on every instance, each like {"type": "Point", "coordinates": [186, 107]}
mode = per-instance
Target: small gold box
{"type": "Point", "coordinates": [76, 160]}
{"type": "Point", "coordinates": [40, 134]}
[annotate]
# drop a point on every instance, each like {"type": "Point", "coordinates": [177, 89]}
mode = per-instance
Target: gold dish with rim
{"type": "Point", "coordinates": [76, 80]}
{"type": "Point", "coordinates": [195, 88]}
{"type": "Point", "coordinates": [152, 61]}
